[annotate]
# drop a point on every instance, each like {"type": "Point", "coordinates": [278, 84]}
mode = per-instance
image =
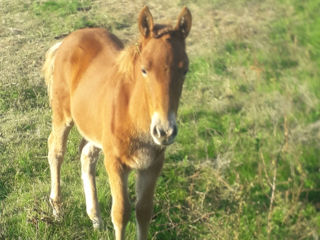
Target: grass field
{"type": "Point", "coordinates": [246, 164]}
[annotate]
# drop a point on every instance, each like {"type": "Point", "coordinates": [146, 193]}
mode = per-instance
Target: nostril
{"type": "Point", "coordinates": [162, 133]}
{"type": "Point", "coordinates": [175, 131]}
{"type": "Point", "coordinates": [172, 132]}
{"type": "Point", "coordinates": [159, 132]}
{"type": "Point", "coordinates": [155, 131]}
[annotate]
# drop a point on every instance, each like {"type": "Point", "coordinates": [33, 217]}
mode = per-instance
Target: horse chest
{"type": "Point", "coordinates": [143, 155]}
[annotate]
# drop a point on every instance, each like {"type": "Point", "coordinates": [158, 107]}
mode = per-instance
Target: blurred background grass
{"type": "Point", "coordinates": [246, 164]}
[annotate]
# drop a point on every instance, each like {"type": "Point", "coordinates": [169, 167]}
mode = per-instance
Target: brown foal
{"type": "Point", "coordinates": [123, 101]}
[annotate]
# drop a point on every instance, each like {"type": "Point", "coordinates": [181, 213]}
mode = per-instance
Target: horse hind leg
{"type": "Point", "coordinates": [57, 145]}
{"type": "Point", "coordinates": [89, 157]}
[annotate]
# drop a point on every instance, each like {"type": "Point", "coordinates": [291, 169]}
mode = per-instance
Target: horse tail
{"type": "Point", "coordinates": [48, 67]}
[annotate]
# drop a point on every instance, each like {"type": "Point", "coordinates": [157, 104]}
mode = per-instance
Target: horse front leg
{"type": "Point", "coordinates": [145, 186]}
{"type": "Point", "coordinates": [118, 179]}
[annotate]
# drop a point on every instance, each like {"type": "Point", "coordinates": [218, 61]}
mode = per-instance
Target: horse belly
{"type": "Point", "coordinates": [87, 115]}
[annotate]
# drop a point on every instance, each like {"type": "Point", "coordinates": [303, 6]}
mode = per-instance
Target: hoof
{"type": "Point", "coordinates": [56, 206]}
{"type": "Point", "coordinates": [97, 224]}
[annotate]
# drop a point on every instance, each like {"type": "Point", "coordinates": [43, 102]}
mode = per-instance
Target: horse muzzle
{"type": "Point", "coordinates": [163, 132]}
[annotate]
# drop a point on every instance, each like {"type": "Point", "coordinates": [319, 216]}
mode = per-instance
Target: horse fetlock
{"type": "Point", "coordinates": [97, 223]}
{"type": "Point", "coordinates": [56, 208]}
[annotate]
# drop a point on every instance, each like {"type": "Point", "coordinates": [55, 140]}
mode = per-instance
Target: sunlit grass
{"type": "Point", "coordinates": [246, 161]}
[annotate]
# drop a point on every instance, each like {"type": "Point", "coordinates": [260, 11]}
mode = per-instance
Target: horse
{"type": "Point", "coordinates": [123, 101]}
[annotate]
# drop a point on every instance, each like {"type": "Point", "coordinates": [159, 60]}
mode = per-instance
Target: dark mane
{"type": "Point", "coordinates": [126, 60]}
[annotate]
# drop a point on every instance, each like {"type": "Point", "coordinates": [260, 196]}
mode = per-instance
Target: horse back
{"type": "Point", "coordinates": [85, 51]}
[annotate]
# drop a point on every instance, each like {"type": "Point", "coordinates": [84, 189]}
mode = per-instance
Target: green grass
{"type": "Point", "coordinates": [247, 158]}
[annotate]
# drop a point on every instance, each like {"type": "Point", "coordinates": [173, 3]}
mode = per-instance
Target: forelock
{"type": "Point", "coordinates": [160, 30]}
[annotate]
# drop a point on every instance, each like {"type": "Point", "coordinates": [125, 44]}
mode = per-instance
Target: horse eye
{"type": "Point", "coordinates": [185, 72]}
{"type": "Point", "coordinates": [144, 72]}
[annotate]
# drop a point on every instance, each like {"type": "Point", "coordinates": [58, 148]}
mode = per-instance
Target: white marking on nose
{"type": "Point", "coordinates": [161, 130]}
{"type": "Point", "coordinates": [154, 121]}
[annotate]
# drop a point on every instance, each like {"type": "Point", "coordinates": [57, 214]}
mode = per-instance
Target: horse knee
{"type": "Point", "coordinates": [56, 150]}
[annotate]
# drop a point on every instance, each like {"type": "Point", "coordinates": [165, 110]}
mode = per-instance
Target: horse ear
{"type": "Point", "coordinates": [145, 22]}
{"type": "Point", "coordinates": [184, 22]}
